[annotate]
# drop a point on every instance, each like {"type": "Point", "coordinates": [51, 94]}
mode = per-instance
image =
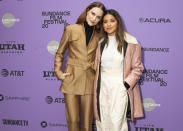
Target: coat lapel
{"type": "Point", "coordinates": [102, 48]}
{"type": "Point", "coordinates": [125, 47]}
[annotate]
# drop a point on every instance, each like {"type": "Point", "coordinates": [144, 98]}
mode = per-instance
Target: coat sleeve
{"type": "Point", "coordinates": [59, 56]}
{"type": "Point", "coordinates": [137, 67]}
{"type": "Point", "coordinates": [97, 56]}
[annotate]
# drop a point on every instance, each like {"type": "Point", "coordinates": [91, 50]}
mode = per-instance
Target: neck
{"type": "Point", "coordinates": [87, 25]}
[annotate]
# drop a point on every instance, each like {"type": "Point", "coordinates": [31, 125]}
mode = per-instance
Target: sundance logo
{"type": "Point", "coordinates": [15, 122]}
{"type": "Point", "coordinates": [50, 100]}
{"type": "Point", "coordinates": [12, 73]}
{"type": "Point", "coordinates": [155, 20]}
{"type": "Point", "coordinates": [163, 50]}
{"type": "Point", "coordinates": [55, 17]}
{"type": "Point", "coordinates": [154, 75]}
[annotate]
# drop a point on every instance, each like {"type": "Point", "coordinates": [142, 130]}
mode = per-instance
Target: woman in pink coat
{"type": "Point", "coordinates": [118, 69]}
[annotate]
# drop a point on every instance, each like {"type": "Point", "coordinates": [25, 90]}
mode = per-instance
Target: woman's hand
{"type": "Point", "coordinates": [64, 75]}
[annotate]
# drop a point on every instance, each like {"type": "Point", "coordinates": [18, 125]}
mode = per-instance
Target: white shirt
{"type": "Point", "coordinates": [111, 58]}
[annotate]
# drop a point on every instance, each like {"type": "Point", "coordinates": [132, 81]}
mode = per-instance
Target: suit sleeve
{"type": "Point", "coordinates": [137, 68]}
{"type": "Point", "coordinates": [97, 58]}
{"type": "Point", "coordinates": [59, 56]}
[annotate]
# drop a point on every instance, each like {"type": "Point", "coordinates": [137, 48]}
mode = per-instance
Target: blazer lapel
{"type": "Point", "coordinates": [125, 47]}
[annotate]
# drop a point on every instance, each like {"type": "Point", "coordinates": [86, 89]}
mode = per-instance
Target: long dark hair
{"type": "Point", "coordinates": [82, 17]}
{"type": "Point", "coordinates": [120, 31]}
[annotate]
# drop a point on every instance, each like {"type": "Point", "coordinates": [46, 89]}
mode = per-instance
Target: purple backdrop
{"type": "Point", "coordinates": [30, 32]}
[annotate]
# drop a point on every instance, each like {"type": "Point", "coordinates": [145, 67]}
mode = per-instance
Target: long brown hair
{"type": "Point", "coordinates": [82, 17]}
{"type": "Point", "coordinates": [119, 31]}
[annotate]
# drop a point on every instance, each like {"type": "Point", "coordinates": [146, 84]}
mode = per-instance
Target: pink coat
{"type": "Point", "coordinates": [133, 68]}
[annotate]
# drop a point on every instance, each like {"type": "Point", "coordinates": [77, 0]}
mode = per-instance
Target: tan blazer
{"type": "Point", "coordinates": [132, 68]}
{"type": "Point", "coordinates": [80, 60]}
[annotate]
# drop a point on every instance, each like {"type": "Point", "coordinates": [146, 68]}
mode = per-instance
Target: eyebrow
{"type": "Point", "coordinates": [95, 14]}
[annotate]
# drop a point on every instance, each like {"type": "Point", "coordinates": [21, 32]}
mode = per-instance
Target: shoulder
{"type": "Point", "coordinates": [130, 39]}
{"type": "Point", "coordinates": [100, 41]}
{"type": "Point", "coordinates": [73, 27]}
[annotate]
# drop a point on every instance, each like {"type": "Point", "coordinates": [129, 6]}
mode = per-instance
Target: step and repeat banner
{"type": "Point", "coordinates": [30, 32]}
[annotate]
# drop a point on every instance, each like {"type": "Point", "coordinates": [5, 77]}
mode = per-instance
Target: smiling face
{"type": "Point", "coordinates": [110, 24]}
{"type": "Point", "coordinates": [93, 16]}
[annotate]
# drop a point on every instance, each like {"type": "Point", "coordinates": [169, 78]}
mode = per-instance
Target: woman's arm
{"type": "Point", "coordinates": [137, 67]}
{"type": "Point", "coordinates": [59, 56]}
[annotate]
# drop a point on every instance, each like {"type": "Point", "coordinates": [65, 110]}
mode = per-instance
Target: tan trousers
{"type": "Point", "coordinates": [77, 106]}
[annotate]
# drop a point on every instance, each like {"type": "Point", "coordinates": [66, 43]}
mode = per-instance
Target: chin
{"type": "Point", "coordinates": [92, 24]}
{"type": "Point", "coordinates": [109, 32]}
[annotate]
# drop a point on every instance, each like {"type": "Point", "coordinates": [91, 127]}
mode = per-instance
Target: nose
{"type": "Point", "coordinates": [94, 18]}
{"type": "Point", "coordinates": [108, 24]}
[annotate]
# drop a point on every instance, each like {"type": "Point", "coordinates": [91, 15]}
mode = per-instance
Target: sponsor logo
{"type": "Point", "coordinates": [4, 72]}
{"type": "Point", "coordinates": [12, 47]}
{"type": "Point", "coordinates": [1, 97]}
{"type": "Point", "coordinates": [12, 73]}
{"type": "Point", "coordinates": [52, 47]}
{"type": "Point", "coordinates": [49, 75]}
{"type": "Point", "coordinates": [8, 20]}
{"type": "Point", "coordinates": [13, 98]}
{"type": "Point", "coordinates": [149, 104]}
{"type": "Point", "coordinates": [155, 20]}
{"type": "Point", "coordinates": [50, 100]}
{"type": "Point", "coordinates": [15, 122]}
{"type": "Point", "coordinates": [55, 17]}
{"type": "Point", "coordinates": [45, 124]}
{"type": "Point", "coordinates": [148, 127]}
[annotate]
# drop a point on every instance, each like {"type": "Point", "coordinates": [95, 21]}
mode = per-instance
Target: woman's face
{"type": "Point", "coordinates": [110, 24]}
{"type": "Point", "coordinates": [93, 16]}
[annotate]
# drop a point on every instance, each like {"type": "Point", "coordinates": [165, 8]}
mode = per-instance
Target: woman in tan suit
{"type": "Point", "coordinates": [119, 66]}
{"type": "Point", "coordinates": [81, 40]}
